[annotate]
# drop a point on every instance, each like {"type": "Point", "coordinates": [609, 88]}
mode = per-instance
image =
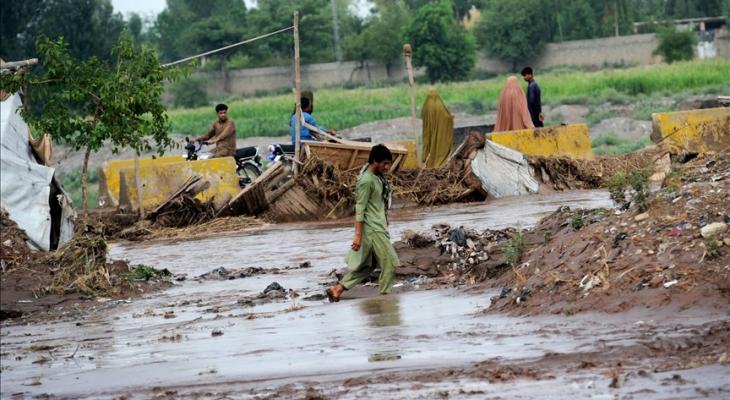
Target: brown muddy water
{"type": "Point", "coordinates": [196, 337]}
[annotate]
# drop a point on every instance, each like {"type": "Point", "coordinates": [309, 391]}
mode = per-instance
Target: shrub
{"type": "Point", "coordinates": [639, 181]}
{"type": "Point", "coordinates": [617, 188]}
{"type": "Point", "coordinates": [514, 248]}
{"type": "Point", "coordinates": [189, 92]}
{"type": "Point", "coordinates": [675, 45]}
{"type": "Point", "coordinates": [577, 222]}
{"type": "Point", "coordinates": [712, 249]}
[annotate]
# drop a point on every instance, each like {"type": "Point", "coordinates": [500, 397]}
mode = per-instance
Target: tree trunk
{"type": "Point", "coordinates": [85, 183]}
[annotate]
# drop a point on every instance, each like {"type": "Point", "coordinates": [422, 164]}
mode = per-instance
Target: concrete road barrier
{"type": "Point", "coordinates": [693, 131]}
{"type": "Point", "coordinates": [572, 141]}
{"type": "Point", "coordinates": [162, 176]}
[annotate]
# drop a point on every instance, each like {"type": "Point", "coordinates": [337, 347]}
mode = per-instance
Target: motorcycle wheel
{"type": "Point", "coordinates": [249, 171]}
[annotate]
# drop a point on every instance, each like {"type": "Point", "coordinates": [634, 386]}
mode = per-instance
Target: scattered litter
{"type": "Point", "coordinates": [588, 282]}
{"type": "Point", "coordinates": [274, 287]}
{"type": "Point", "coordinates": [670, 283]}
{"type": "Point", "coordinates": [713, 230]}
{"type": "Point", "coordinates": [641, 217]}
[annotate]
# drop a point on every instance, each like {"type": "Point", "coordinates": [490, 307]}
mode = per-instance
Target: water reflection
{"type": "Point", "coordinates": [383, 314]}
{"type": "Point", "coordinates": [382, 311]}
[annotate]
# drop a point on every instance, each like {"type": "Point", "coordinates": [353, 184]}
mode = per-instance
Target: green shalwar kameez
{"type": "Point", "coordinates": [376, 249]}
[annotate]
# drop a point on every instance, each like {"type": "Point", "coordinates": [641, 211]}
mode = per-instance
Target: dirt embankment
{"type": "Point", "coordinates": [79, 271]}
{"type": "Point", "coordinates": [676, 253]}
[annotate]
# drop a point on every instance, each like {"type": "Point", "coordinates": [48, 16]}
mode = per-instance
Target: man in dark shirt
{"type": "Point", "coordinates": [534, 104]}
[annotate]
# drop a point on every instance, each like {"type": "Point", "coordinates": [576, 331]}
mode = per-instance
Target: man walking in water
{"type": "Point", "coordinates": [534, 103]}
{"type": "Point", "coordinates": [371, 247]}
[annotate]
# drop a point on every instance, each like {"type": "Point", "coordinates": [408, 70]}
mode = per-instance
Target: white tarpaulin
{"type": "Point", "coordinates": [25, 185]}
{"type": "Point", "coordinates": [503, 171]}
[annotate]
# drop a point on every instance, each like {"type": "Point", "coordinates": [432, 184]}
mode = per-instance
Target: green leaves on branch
{"type": "Point", "coordinates": [440, 43]}
{"type": "Point", "coordinates": [675, 45]}
{"type": "Point", "coordinates": [514, 31]}
{"type": "Point", "coordinates": [91, 103]}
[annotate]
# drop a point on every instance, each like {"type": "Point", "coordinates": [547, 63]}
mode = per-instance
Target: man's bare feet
{"type": "Point", "coordinates": [334, 293]}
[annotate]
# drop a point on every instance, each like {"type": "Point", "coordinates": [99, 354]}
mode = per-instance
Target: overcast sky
{"type": "Point", "coordinates": [153, 7]}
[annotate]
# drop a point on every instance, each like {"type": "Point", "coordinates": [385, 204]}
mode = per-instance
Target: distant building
{"type": "Point", "coordinates": [707, 30]}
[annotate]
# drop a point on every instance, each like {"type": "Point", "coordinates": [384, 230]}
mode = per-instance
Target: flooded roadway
{"type": "Point", "coordinates": [131, 348]}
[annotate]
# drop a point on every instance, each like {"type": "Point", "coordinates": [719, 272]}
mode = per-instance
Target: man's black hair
{"type": "Point", "coordinates": [379, 153]}
{"type": "Point", "coordinates": [305, 103]}
{"type": "Point", "coordinates": [221, 107]}
{"type": "Point", "coordinates": [526, 71]}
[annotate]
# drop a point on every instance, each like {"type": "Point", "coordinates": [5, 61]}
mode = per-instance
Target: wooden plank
{"type": "Point", "coordinates": [279, 191]}
{"type": "Point", "coordinates": [351, 163]}
{"type": "Point", "coordinates": [191, 181]}
{"type": "Point", "coordinates": [252, 199]}
{"type": "Point", "coordinates": [396, 163]}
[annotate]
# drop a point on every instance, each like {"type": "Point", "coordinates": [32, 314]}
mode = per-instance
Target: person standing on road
{"type": "Point", "coordinates": [222, 133]}
{"type": "Point", "coordinates": [512, 112]}
{"type": "Point", "coordinates": [371, 247]}
{"type": "Point", "coordinates": [534, 103]}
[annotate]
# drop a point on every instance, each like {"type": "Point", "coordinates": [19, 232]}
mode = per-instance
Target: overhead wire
{"type": "Point", "coordinates": [230, 46]}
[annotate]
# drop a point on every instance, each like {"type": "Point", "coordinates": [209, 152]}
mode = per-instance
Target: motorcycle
{"type": "Point", "coordinates": [194, 152]}
{"type": "Point", "coordinates": [281, 152]}
{"type": "Point", "coordinates": [248, 160]}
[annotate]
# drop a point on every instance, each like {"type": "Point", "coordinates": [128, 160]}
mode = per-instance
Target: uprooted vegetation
{"type": "Point", "coordinates": [675, 251]}
{"type": "Point", "coordinates": [80, 267]}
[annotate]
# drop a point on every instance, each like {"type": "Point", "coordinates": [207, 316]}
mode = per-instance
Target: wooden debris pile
{"type": "Point", "coordinates": [182, 208]}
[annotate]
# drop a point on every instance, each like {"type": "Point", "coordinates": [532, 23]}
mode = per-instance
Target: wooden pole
{"type": "Point", "coordinates": [408, 53]}
{"type": "Point", "coordinates": [297, 95]}
{"type": "Point", "coordinates": [138, 184]}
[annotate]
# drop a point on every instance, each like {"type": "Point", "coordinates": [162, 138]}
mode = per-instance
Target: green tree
{"type": "Point", "coordinates": [675, 45]}
{"type": "Point", "coordinates": [94, 103]}
{"type": "Point", "coordinates": [515, 32]}
{"type": "Point", "coordinates": [440, 43]}
{"type": "Point", "coordinates": [89, 26]}
{"type": "Point", "coordinates": [678, 9]}
{"type": "Point", "coordinates": [381, 36]}
{"type": "Point", "coordinates": [186, 27]}
{"type": "Point", "coordinates": [571, 21]}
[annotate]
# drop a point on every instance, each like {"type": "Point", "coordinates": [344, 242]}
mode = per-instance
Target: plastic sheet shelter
{"type": "Point", "coordinates": [28, 190]}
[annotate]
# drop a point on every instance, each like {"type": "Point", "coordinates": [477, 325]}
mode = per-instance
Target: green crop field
{"type": "Point", "coordinates": [341, 108]}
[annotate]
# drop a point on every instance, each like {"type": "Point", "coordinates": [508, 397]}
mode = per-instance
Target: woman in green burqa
{"type": "Point", "coordinates": [438, 131]}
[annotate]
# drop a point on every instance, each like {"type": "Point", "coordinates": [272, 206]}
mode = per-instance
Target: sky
{"type": "Point", "coordinates": [153, 7]}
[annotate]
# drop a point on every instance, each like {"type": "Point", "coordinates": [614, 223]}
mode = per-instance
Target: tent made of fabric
{"type": "Point", "coordinates": [28, 190]}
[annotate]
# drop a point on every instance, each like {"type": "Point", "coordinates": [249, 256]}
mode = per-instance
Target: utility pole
{"type": "Point", "coordinates": [336, 29]}
{"type": "Point", "coordinates": [297, 95]}
{"type": "Point", "coordinates": [408, 54]}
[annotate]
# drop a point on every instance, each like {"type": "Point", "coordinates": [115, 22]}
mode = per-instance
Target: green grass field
{"type": "Point", "coordinates": [342, 108]}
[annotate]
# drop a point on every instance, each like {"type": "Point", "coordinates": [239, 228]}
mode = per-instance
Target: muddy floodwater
{"type": "Point", "coordinates": [198, 339]}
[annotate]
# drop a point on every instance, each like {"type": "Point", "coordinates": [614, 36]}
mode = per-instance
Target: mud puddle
{"type": "Point", "coordinates": [199, 332]}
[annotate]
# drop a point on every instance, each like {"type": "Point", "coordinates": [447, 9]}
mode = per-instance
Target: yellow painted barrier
{"type": "Point", "coordinates": [411, 162]}
{"type": "Point", "coordinates": [571, 141]}
{"type": "Point", "coordinates": [162, 176]}
{"type": "Point", "coordinates": [693, 131]}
